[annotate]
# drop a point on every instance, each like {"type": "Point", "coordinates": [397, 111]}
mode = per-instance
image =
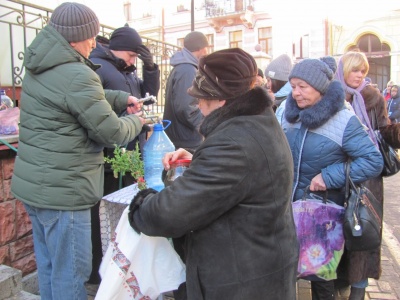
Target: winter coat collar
{"type": "Point", "coordinates": [318, 114]}
{"type": "Point", "coordinates": [253, 102]}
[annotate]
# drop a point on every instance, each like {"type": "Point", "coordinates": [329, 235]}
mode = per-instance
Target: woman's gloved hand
{"type": "Point", "coordinates": [135, 203]}
{"type": "Point", "coordinates": [145, 55]}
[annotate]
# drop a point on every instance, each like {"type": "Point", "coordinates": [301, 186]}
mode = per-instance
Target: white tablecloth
{"type": "Point", "coordinates": [111, 208]}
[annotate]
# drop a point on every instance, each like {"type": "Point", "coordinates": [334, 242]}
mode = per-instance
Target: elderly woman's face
{"type": "Point", "coordinates": [304, 94]}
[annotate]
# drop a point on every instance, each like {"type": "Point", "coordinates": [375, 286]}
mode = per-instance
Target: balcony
{"type": "Point", "coordinates": [221, 13]}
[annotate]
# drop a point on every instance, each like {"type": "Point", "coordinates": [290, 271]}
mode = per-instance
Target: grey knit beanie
{"type": "Point", "coordinates": [279, 68]}
{"type": "Point", "coordinates": [316, 72]}
{"type": "Point", "coordinates": [75, 22]}
{"type": "Point", "coordinates": [194, 41]}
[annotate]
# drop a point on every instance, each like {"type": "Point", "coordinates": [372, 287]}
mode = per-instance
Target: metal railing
{"type": "Point", "coordinates": [21, 21]}
{"type": "Point", "coordinates": [217, 8]}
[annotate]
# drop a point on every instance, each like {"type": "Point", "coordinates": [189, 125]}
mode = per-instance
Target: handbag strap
{"type": "Point", "coordinates": [349, 183]}
{"type": "Point", "coordinates": [307, 189]}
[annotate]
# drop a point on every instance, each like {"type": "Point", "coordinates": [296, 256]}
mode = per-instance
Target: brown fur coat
{"type": "Point", "coordinates": [359, 265]}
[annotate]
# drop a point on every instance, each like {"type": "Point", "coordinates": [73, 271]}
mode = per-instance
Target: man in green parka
{"type": "Point", "coordinates": [66, 121]}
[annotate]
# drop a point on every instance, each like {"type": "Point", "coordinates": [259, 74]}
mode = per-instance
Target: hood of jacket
{"type": "Point", "coordinates": [103, 52]}
{"type": "Point", "coordinates": [318, 114]}
{"type": "Point", "coordinates": [48, 50]}
{"type": "Point", "coordinates": [183, 57]}
{"type": "Point", "coordinates": [254, 102]}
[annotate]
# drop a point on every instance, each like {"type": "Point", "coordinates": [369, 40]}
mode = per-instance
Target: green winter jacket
{"type": "Point", "coordinates": [66, 121]}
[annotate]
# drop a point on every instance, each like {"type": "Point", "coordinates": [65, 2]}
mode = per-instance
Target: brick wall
{"type": "Point", "coordinates": [16, 242]}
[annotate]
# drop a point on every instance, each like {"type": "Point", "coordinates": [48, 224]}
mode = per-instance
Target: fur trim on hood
{"type": "Point", "coordinates": [318, 114]}
{"type": "Point", "coordinates": [254, 102]}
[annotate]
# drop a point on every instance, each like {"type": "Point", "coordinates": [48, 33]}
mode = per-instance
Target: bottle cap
{"type": "Point", "coordinates": [158, 127]}
{"type": "Point", "coordinates": [184, 162]}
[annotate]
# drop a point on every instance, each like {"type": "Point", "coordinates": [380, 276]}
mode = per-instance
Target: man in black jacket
{"type": "Point", "coordinates": [117, 58]}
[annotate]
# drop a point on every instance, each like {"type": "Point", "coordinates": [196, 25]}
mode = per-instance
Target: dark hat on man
{"type": "Point", "coordinates": [125, 39]}
{"type": "Point", "coordinates": [279, 68]}
{"type": "Point", "coordinates": [75, 22]}
{"type": "Point", "coordinates": [224, 75]}
{"type": "Point", "coordinates": [316, 72]}
{"type": "Point", "coordinates": [195, 41]}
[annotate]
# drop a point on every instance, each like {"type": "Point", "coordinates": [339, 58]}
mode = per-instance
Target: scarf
{"type": "Point", "coordinates": [321, 112]}
{"type": "Point", "coordinates": [358, 103]}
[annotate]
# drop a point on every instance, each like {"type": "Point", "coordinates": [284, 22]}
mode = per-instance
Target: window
{"type": "Point", "coordinates": [128, 11]}
{"type": "Point", "coordinates": [181, 7]}
{"type": "Point", "coordinates": [301, 48]}
{"type": "Point", "coordinates": [210, 39]}
{"type": "Point", "coordinates": [265, 39]}
{"type": "Point", "coordinates": [235, 39]}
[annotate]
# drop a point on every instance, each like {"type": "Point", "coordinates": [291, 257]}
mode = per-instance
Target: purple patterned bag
{"type": "Point", "coordinates": [319, 227]}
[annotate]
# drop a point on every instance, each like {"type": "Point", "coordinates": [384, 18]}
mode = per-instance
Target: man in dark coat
{"type": "Point", "coordinates": [181, 108]}
{"type": "Point", "coordinates": [117, 58]}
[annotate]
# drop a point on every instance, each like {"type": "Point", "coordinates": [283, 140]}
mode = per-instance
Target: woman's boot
{"type": "Point", "coordinates": [357, 293]}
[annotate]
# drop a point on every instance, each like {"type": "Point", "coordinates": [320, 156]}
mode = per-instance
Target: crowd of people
{"type": "Point", "coordinates": [256, 139]}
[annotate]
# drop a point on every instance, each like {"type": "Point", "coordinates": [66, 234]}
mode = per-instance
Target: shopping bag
{"type": "Point", "coordinates": [9, 120]}
{"type": "Point", "coordinates": [319, 228]}
{"type": "Point", "coordinates": [136, 266]}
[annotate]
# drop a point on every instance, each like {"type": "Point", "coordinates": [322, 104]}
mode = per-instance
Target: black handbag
{"type": "Point", "coordinates": [390, 157]}
{"type": "Point", "coordinates": [363, 217]}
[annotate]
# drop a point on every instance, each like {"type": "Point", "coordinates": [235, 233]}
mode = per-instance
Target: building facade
{"type": "Point", "coordinates": [270, 28]}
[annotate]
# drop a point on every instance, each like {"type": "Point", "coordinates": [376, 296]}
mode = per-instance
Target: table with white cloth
{"type": "Point", "coordinates": [110, 211]}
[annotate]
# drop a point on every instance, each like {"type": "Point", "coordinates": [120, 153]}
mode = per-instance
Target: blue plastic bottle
{"type": "Point", "coordinates": [153, 152]}
{"type": "Point", "coordinates": [5, 101]}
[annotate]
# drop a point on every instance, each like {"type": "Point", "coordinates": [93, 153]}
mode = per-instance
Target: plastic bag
{"type": "Point", "coordinates": [138, 266]}
{"type": "Point", "coordinates": [319, 227]}
{"type": "Point", "coordinates": [9, 119]}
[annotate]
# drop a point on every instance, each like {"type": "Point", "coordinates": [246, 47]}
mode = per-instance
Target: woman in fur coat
{"type": "Point", "coordinates": [323, 134]}
{"type": "Point", "coordinates": [234, 201]}
{"type": "Point", "coordinates": [356, 267]}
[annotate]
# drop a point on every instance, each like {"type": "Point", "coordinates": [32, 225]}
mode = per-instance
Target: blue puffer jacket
{"type": "Point", "coordinates": [322, 138]}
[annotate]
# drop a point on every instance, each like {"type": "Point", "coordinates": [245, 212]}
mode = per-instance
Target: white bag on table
{"type": "Point", "coordinates": [138, 266]}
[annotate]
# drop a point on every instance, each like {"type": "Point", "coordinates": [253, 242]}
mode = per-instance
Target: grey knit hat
{"type": "Point", "coordinates": [316, 72]}
{"type": "Point", "coordinates": [195, 41]}
{"type": "Point", "coordinates": [75, 22]}
{"type": "Point", "coordinates": [279, 68]}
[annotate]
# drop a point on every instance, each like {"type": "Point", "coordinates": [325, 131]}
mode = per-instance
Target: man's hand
{"type": "Point", "coordinates": [133, 106]}
{"type": "Point", "coordinates": [145, 55]}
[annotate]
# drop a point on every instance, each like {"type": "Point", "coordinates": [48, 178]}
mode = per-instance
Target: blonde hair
{"type": "Point", "coordinates": [354, 61]}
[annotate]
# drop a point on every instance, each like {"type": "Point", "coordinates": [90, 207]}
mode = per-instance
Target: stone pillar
{"type": "Point", "coordinates": [16, 242]}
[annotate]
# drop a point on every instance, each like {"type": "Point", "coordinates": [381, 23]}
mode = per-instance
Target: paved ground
{"type": "Point", "coordinates": [388, 287]}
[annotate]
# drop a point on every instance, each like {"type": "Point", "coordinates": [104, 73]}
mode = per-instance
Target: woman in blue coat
{"type": "Point", "coordinates": [323, 135]}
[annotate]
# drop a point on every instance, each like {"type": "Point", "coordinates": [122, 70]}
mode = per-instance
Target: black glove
{"type": "Point", "coordinates": [149, 102]}
{"type": "Point", "coordinates": [145, 55]}
{"type": "Point", "coordinates": [135, 203]}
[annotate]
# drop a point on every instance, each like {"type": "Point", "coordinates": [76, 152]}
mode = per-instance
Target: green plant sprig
{"type": "Point", "coordinates": [127, 162]}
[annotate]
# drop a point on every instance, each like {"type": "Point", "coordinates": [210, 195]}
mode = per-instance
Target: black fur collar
{"type": "Point", "coordinates": [318, 114]}
{"type": "Point", "coordinates": [254, 102]}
